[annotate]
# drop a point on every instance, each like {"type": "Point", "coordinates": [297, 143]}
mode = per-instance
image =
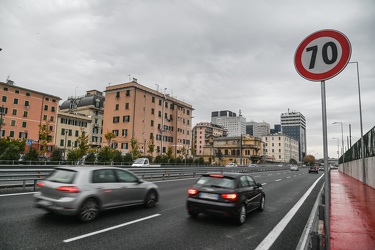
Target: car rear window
{"type": "Point", "coordinates": [62, 176]}
{"type": "Point", "coordinates": [223, 182]}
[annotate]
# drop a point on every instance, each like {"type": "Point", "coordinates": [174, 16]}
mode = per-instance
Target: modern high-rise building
{"type": "Point", "coordinates": [202, 132]}
{"type": "Point", "coordinates": [257, 129]}
{"type": "Point", "coordinates": [23, 111]}
{"type": "Point", "coordinates": [236, 125]}
{"type": "Point", "coordinates": [293, 124]}
{"type": "Point", "coordinates": [133, 112]}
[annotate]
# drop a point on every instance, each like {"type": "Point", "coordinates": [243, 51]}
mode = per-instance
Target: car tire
{"type": "Point", "coordinates": [241, 216]}
{"type": "Point", "coordinates": [262, 203]}
{"type": "Point", "coordinates": [89, 210]}
{"type": "Point", "coordinates": [151, 199]}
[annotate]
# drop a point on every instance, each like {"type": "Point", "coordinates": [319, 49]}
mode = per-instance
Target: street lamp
{"type": "Point", "coordinates": [360, 118]}
{"type": "Point", "coordinates": [66, 134]}
{"type": "Point", "coordinates": [342, 141]}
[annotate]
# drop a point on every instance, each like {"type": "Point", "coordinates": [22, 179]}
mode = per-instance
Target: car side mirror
{"type": "Point", "coordinates": [259, 185]}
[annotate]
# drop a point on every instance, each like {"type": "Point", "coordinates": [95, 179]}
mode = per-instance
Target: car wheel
{"type": "Point", "coordinates": [89, 210]}
{"type": "Point", "coordinates": [241, 217]}
{"type": "Point", "coordinates": [151, 199]}
{"type": "Point", "coordinates": [262, 203]}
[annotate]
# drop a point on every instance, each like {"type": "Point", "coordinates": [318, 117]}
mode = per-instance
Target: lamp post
{"type": "Point", "coordinates": [342, 141]}
{"type": "Point", "coordinates": [66, 134]}
{"type": "Point", "coordinates": [360, 119]}
{"type": "Point", "coordinates": [338, 147]}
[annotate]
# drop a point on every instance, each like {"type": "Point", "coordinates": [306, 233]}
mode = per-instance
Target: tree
{"type": "Point", "coordinates": [32, 155]}
{"type": "Point", "coordinates": [117, 158]}
{"type": "Point", "coordinates": [309, 160]}
{"type": "Point", "coordinates": [82, 144]}
{"type": "Point", "coordinates": [135, 148]}
{"type": "Point", "coordinates": [44, 137]}
{"type": "Point", "coordinates": [73, 155]}
{"type": "Point", "coordinates": [105, 155]}
{"type": "Point", "coordinates": [292, 161]}
{"type": "Point", "coordinates": [109, 136]}
{"type": "Point", "coordinates": [169, 153]}
{"type": "Point", "coordinates": [90, 158]}
{"type": "Point", "coordinates": [151, 146]}
{"type": "Point", "coordinates": [56, 155]}
{"type": "Point", "coordinates": [12, 152]}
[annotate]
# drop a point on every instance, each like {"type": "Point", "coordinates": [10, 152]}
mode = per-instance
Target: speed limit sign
{"type": "Point", "coordinates": [322, 55]}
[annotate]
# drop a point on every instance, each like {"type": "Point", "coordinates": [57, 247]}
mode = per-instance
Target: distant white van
{"type": "Point", "coordinates": [141, 162]}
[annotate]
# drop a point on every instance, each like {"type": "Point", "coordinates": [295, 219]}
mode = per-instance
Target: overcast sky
{"type": "Point", "coordinates": [212, 54]}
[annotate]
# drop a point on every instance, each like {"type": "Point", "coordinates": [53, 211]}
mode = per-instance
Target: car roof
{"type": "Point", "coordinates": [225, 174]}
{"type": "Point", "coordinates": [85, 168]}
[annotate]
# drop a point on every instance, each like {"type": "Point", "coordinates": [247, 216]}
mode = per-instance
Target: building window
{"type": "Point", "coordinates": [124, 145]}
{"type": "Point", "coordinates": [15, 101]}
{"type": "Point", "coordinates": [45, 107]}
{"type": "Point", "coordinates": [69, 143]}
{"type": "Point", "coordinates": [117, 106]}
{"type": "Point", "coordinates": [76, 133]}
{"type": "Point", "coordinates": [4, 99]}
{"type": "Point", "coordinates": [126, 118]}
{"type": "Point", "coordinates": [159, 102]}
{"type": "Point", "coordinates": [153, 99]}
{"type": "Point", "coordinates": [47, 99]}
{"type": "Point", "coordinates": [124, 132]}
{"type": "Point", "coordinates": [152, 111]}
{"type": "Point", "coordinates": [27, 103]}
{"type": "Point", "coordinates": [152, 123]}
{"type": "Point", "coordinates": [24, 124]}
{"type": "Point", "coordinates": [126, 105]}
{"type": "Point", "coordinates": [14, 112]}
{"type": "Point", "coordinates": [45, 117]}
{"type": "Point", "coordinates": [61, 143]}
{"type": "Point", "coordinates": [127, 93]}
{"type": "Point", "coordinates": [159, 113]}
{"type": "Point", "coordinates": [117, 95]}
{"type": "Point", "coordinates": [27, 94]}
{"type": "Point", "coordinates": [11, 133]}
{"type": "Point", "coordinates": [116, 119]}
{"type": "Point", "coordinates": [50, 128]}
{"type": "Point", "coordinates": [115, 132]}
{"type": "Point", "coordinates": [151, 136]}
{"type": "Point", "coordinates": [51, 118]}
{"type": "Point", "coordinates": [53, 109]}
{"type": "Point", "coordinates": [13, 123]}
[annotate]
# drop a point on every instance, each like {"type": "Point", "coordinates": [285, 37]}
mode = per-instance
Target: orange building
{"type": "Point", "coordinates": [135, 111]}
{"type": "Point", "coordinates": [23, 110]}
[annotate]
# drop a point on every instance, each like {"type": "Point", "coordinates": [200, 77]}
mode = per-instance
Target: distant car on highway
{"type": "Point", "coordinates": [321, 168]}
{"type": "Point", "coordinates": [294, 168]}
{"type": "Point", "coordinates": [314, 169]}
{"type": "Point", "coordinates": [253, 166]}
{"type": "Point", "coordinates": [85, 191]}
{"type": "Point", "coordinates": [232, 164]}
{"type": "Point", "coordinates": [225, 194]}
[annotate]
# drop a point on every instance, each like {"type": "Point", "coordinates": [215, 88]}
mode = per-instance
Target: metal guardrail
{"type": "Point", "coordinates": [9, 176]}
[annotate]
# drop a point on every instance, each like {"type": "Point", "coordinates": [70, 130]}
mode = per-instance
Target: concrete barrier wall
{"type": "Point", "coordinates": [355, 170]}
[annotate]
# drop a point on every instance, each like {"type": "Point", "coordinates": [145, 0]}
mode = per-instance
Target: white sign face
{"type": "Point", "coordinates": [322, 55]}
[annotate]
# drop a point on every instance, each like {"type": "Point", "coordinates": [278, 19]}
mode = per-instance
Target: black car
{"type": "Point", "coordinates": [225, 194]}
{"type": "Point", "coordinates": [314, 169]}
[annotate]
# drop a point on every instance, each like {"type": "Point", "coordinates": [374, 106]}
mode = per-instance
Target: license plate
{"type": "Point", "coordinates": [209, 196]}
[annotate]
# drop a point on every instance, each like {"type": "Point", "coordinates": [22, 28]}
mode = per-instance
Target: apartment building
{"type": "Point", "coordinates": [280, 148]}
{"type": "Point", "coordinates": [242, 150]}
{"type": "Point", "coordinates": [201, 135]}
{"type": "Point", "coordinates": [133, 111]}
{"type": "Point", "coordinates": [257, 129]}
{"type": "Point", "coordinates": [23, 110]}
{"type": "Point", "coordinates": [236, 125]}
{"type": "Point", "coordinates": [85, 114]}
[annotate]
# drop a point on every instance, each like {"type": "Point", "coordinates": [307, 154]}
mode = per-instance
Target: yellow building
{"type": "Point", "coordinates": [242, 150]}
{"type": "Point", "coordinates": [133, 111]}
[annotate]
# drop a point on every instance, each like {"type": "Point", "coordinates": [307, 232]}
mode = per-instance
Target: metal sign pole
{"type": "Point", "coordinates": [327, 185]}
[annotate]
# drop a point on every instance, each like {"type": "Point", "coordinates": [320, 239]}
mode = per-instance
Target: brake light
{"type": "Point", "coordinates": [231, 197]}
{"type": "Point", "coordinates": [192, 192]}
{"type": "Point", "coordinates": [68, 189]}
{"type": "Point", "coordinates": [217, 175]}
{"type": "Point", "coordinates": [41, 184]}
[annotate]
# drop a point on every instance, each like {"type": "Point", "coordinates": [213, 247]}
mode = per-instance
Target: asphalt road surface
{"type": "Point", "coordinates": [167, 226]}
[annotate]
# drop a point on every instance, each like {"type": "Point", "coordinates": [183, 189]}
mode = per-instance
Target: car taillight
{"type": "Point", "coordinates": [192, 192]}
{"type": "Point", "coordinates": [68, 189]}
{"type": "Point", "coordinates": [41, 184]}
{"type": "Point", "coordinates": [217, 175]}
{"type": "Point", "coordinates": [231, 197]}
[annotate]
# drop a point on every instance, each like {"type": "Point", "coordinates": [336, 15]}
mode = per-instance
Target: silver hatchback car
{"type": "Point", "coordinates": [85, 191]}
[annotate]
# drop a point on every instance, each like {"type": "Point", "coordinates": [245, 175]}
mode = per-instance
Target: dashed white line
{"type": "Point", "coordinates": [278, 180]}
{"type": "Point", "coordinates": [110, 228]}
{"type": "Point", "coordinates": [1, 195]}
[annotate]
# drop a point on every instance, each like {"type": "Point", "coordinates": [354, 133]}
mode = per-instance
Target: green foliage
{"type": "Point", "coordinates": [128, 158]}
{"type": "Point", "coordinates": [73, 155]}
{"type": "Point", "coordinates": [309, 160]}
{"type": "Point", "coordinates": [90, 158]}
{"type": "Point", "coordinates": [56, 155]}
{"type": "Point", "coordinates": [109, 136]}
{"type": "Point", "coordinates": [44, 137]}
{"type": "Point", "coordinates": [105, 155]}
{"type": "Point", "coordinates": [293, 161]}
{"type": "Point", "coordinates": [169, 153]}
{"type": "Point", "coordinates": [82, 144]}
{"type": "Point", "coordinates": [12, 152]}
{"type": "Point", "coordinates": [135, 148]}
{"type": "Point", "coordinates": [151, 146]}
{"type": "Point", "coordinates": [32, 155]}
{"type": "Point", "coordinates": [117, 158]}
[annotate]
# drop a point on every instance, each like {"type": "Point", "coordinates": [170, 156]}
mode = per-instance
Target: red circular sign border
{"type": "Point", "coordinates": [346, 53]}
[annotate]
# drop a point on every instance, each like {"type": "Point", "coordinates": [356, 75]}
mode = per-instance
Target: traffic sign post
{"type": "Point", "coordinates": [319, 57]}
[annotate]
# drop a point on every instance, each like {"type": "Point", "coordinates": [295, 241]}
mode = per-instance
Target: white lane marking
{"type": "Point", "coordinates": [269, 174]}
{"type": "Point", "coordinates": [276, 231]}
{"type": "Point", "coordinates": [256, 176]}
{"type": "Point", "coordinates": [278, 180]}
{"type": "Point", "coordinates": [288, 177]}
{"type": "Point", "coordinates": [264, 184]}
{"type": "Point", "coordinates": [110, 228]}
{"type": "Point", "coordinates": [1, 195]}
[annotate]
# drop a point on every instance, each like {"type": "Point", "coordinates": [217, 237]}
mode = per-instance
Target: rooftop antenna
{"type": "Point", "coordinates": [157, 87]}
